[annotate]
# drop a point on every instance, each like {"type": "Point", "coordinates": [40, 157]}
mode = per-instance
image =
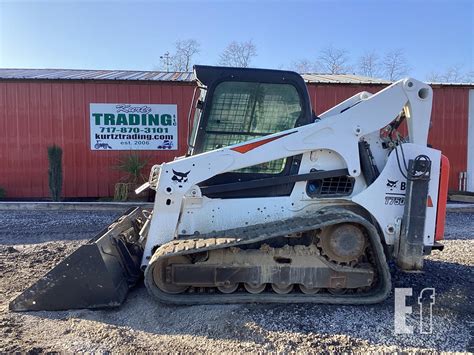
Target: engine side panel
{"type": "Point", "coordinates": [385, 198]}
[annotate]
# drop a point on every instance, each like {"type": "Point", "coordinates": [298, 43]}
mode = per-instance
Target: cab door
{"type": "Point", "coordinates": [244, 104]}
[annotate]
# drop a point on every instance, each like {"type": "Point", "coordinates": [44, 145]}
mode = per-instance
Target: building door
{"type": "Point", "coordinates": [470, 143]}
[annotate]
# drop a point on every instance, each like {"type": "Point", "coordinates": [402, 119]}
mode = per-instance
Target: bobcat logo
{"type": "Point", "coordinates": [397, 197]}
{"type": "Point", "coordinates": [180, 177]}
{"type": "Point", "coordinates": [392, 184]}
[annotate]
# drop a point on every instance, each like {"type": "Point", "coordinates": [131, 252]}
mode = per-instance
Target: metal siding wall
{"type": "Point", "coordinates": [36, 114]}
{"type": "Point", "coordinates": [449, 118]}
{"type": "Point", "coordinates": [449, 128]}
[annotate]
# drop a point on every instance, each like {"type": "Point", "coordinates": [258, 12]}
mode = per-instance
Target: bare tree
{"type": "Point", "coordinates": [453, 74]}
{"type": "Point", "coordinates": [434, 77]}
{"type": "Point", "coordinates": [304, 66]}
{"type": "Point", "coordinates": [369, 65]}
{"type": "Point", "coordinates": [181, 59]}
{"type": "Point", "coordinates": [469, 77]}
{"type": "Point", "coordinates": [334, 61]}
{"type": "Point", "coordinates": [238, 54]}
{"type": "Point", "coordinates": [395, 65]}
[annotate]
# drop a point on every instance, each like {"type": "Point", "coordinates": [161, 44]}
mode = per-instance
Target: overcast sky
{"type": "Point", "coordinates": [119, 35]}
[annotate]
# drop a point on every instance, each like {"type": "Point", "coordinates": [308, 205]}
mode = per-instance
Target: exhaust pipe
{"type": "Point", "coordinates": [97, 275]}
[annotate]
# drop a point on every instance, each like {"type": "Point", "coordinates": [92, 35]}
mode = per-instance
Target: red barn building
{"type": "Point", "coordinates": [41, 107]}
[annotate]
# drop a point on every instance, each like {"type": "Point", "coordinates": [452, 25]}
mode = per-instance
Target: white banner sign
{"type": "Point", "coordinates": [133, 127]}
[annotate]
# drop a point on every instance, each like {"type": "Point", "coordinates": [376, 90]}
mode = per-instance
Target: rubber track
{"type": "Point", "coordinates": [259, 233]}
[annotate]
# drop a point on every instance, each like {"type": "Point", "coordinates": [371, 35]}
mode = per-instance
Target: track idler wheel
{"type": "Point", "coordinates": [160, 274]}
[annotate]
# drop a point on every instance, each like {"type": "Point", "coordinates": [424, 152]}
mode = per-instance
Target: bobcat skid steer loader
{"type": "Point", "coordinates": [272, 203]}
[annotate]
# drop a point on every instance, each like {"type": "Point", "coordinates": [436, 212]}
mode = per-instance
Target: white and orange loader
{"type": "Point", "coordinates": [272, 203]}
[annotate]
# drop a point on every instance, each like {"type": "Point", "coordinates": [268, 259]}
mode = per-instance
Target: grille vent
{"type": "Point", "coordinates": [335, 186]}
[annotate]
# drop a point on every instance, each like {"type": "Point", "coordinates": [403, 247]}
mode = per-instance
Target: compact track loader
{"type": "Point", "coordinates": [272, 203]}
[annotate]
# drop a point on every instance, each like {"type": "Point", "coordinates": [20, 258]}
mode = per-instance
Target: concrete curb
{"type": "Point", "coordinates": [87, 206]}
{"type": "Point", "coordinates": [71, 206]}
{"type": "Point", "coordinates": [460, 207]}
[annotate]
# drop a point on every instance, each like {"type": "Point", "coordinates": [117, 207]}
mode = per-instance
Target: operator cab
{"type": "Point", "coordinates": [239, 104]}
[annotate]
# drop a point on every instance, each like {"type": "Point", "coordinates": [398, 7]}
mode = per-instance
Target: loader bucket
{"type": "Point", "coordinates": [97, 275]}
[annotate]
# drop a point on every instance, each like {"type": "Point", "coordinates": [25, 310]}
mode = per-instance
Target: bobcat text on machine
{"type": "Point", "coordinates": [272, 203]}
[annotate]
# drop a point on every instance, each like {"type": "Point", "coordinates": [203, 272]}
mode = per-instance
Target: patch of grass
{"type": "Point", "coordinates": [132, 165]}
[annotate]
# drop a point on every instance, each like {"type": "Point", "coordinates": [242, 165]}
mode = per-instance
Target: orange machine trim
{"type": "Point", "coordinates": [442, 198]}
{"type": "Point", "coordinates": [248, 147]}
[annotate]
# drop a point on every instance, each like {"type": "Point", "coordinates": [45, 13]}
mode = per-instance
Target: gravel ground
{"type": "Point", "coordinates": [31, 242]}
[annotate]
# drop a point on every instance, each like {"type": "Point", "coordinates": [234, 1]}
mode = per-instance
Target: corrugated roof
{"type": "Point", "coordinates": [359, 79]}
{"type": "Point", "coordinates": [435, 83]}
{"type": "Point", "coordinates": [342, 79]}
{"type": "Point", "coordinates": [137, 75]}
{"type": "Point", "coordinates": [77, 74]}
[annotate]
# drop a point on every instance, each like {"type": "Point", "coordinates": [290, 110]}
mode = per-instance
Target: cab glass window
{"type": "Point", "coordinates": [241, 111]}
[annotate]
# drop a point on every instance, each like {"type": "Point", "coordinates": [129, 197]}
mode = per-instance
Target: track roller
{"type": "Point", "coordinates": [228, 288]}
{"type": "Point", "coordinates": [254, 288]}
{"type": "Point", "coordinates": [309, 290]}
{"type": "Point", "coordinates": [282, 289]}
